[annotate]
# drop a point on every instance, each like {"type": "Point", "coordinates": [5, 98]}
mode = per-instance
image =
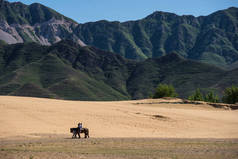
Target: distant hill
{"type": "Point", "coordinates": [66, 70]}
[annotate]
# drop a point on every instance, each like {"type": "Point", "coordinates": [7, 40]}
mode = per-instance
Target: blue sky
{"type": "Point", "coordinates": [122, 10]}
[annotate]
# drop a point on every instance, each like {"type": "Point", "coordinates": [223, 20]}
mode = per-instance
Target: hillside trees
{"type": "Point", "coordinates": [211, 97]}
{"type": "Point", "coordinates": [164, 90]}
{"type": "Point", "coordinates": [197, 96]}
{"type": "Point", "coordinates": [231, 95]}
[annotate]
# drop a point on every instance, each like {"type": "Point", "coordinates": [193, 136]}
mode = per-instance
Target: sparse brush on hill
{"type": "Point", "coordinates": [164, 90]}
{"type": "Point", "coordinates": [197, 96]}
{"type": "Point", "coordinates": [209, 97]}
{"type": "Point", "coordinates": [231, 95]}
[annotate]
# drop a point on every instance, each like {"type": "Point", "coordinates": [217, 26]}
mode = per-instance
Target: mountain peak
{"type": "Point", "coordinates": [233, 11]}
{"type": "Point", "coordinates": [34, 23]}
{"type": "Point", "coordinates": [161, 15]}
{"type": "Point", "coordinates": [19, 13]}
{"type": "Point", "coordinates": [232, 8]}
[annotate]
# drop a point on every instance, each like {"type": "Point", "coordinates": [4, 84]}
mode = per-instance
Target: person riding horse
{"type": "Point", "coordinates": [78, 130]}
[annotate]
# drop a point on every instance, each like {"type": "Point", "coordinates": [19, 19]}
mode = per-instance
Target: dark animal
{"type": "Point", "coordinates": [76, 132]}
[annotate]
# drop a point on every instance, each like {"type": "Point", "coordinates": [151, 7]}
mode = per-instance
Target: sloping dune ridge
{"type": "Point", "coordinates": [32, 117]}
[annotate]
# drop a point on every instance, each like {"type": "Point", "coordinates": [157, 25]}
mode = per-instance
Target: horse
{"type": "Point", "coordinates": [76, 132]}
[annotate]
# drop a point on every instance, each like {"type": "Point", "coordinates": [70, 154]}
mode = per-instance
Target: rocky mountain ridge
{"type": "Point", "coordinates": [34, 23]}
{"type": "Point", "coordinates": [211, 39]}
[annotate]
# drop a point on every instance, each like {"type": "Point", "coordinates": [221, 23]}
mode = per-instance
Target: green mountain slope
{"type": "Point", "coordinates": [212, 39]}
{"type": "Point", "coordinates": [184, 75]}
{"type": "Point", "coordinates": [62, 71]}
{"type": "Point", "coordinates": [66, 70]}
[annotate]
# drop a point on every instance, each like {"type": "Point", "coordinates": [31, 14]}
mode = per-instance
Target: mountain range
{"type": "Point", "coordinates": [211, 39]}
{"type": "Point", "coordinates": [67, 70]}
{"type": "Point", "coordinates": [45, 54]}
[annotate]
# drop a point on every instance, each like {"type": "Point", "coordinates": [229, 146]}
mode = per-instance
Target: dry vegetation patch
{"type": "Point", "coordinates": [117, 148]}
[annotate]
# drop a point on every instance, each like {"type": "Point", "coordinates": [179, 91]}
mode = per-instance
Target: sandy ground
{"type": "Point", "coordinates": [35, 117]}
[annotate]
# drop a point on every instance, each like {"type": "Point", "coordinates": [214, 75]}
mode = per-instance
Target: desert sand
{"type": "Point", "coordinates": [34, 117]}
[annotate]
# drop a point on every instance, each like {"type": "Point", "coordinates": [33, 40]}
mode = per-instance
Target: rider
{"type": "Point", "coordinates": [80, 126]}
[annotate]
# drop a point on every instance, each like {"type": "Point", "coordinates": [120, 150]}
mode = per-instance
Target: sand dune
{"type": "Point", "coordinates": [32, 117]}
